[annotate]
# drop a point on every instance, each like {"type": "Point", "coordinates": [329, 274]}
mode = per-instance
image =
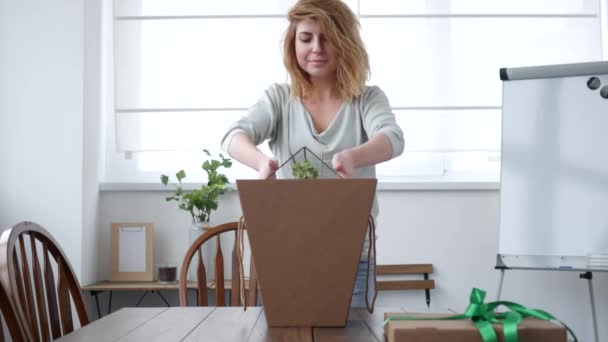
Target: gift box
{"type": "Point", "coordinates": [463, 330]}
{"type": "Point", "coordinates": [479, 323]}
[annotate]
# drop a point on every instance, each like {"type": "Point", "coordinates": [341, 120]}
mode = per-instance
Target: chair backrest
{"type": "Point", "coordinates": [45, 299]}
{"type": "Point", "coordinates": [196, 250]}
{"type": "Point", "coordinates": [9, 313]}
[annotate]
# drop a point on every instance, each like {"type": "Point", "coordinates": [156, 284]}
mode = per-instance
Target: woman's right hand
{"type": "Point", "coordinates": [268, 167]}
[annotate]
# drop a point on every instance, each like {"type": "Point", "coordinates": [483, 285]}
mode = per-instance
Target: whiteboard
{"type": "Point", "coordinates": [554, 167]}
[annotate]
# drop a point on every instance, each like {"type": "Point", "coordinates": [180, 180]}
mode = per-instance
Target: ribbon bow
{"type": "Point", "coordinates": [483, 316]}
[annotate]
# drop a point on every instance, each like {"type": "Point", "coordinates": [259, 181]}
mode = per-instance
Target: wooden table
{"type": "Point", "coordinates": [221, 324]}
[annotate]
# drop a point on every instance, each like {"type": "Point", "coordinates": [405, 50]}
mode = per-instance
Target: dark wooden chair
{"type": "Point", "coordinates": [45, 299]}
{"type": "Point", "coordinates": [9, 313]}
{"type": "Point", "coordinates": [196, 251]}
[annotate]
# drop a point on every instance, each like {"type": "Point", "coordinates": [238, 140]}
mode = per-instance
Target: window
{"type": "Point", "coordinates": [184, 70]}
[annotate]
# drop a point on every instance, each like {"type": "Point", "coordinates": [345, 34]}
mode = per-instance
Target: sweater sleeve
{"type": "Point", "coordinates": [260, 122]}
{"type": "Point", "coordinates": [379, 118]}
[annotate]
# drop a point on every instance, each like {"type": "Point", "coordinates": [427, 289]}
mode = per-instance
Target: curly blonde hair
{"type": "Point", "coordinates": [341, 28]}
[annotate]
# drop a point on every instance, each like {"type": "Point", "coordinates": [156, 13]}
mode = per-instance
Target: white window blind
{"type": "Point", "coordinates": [184, 70]}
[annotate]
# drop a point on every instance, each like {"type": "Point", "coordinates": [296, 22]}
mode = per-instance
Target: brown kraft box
{"type": "Point", "coordinates": [306, 238]}
{"type": "Point", "coordinates": [529, 330]}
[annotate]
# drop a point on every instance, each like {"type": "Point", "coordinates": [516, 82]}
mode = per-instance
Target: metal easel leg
{"type": "Point", "coordinates": [589, 277]}
{"type": "Point", "coordinates": [500, 282]}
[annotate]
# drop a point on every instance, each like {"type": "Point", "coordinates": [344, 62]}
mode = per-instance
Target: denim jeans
{"type": "Point", "coordinates": [358, 300]}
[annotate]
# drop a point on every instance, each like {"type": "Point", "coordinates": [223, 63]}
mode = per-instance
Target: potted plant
{"type": "Point", "coordinates": [201, 202]}
{"type": "Point", "coordinates": [204, 200]}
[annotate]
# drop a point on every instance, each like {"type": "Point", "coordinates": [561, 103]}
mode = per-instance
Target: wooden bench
{"type": "Point", "coordinates": [425, 284]}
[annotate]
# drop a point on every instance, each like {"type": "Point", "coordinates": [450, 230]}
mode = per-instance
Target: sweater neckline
{"type": "Point", "coordinates": [331, 125]}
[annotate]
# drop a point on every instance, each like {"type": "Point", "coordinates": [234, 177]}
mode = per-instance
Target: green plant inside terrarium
{"type": "Point", "coordinates": [304, 170]}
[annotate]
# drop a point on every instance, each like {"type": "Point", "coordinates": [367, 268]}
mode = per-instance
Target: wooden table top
{"type": "Point", "coordinates": [222, 324]}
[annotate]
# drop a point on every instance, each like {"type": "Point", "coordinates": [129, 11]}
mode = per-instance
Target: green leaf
{"type": "Point", "coordinates": [180, 175]}
{"type": "Point", "coordinates": [201, 202]}
{"type": "Point", "coordinates": [164, 179]}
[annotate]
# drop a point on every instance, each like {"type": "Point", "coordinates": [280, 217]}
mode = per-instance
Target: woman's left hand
{"type": "Point", "coordinates": [343, 164]}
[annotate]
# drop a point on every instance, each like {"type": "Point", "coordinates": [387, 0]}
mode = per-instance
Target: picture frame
{"type": "Point", "coordinates": [131, 251]}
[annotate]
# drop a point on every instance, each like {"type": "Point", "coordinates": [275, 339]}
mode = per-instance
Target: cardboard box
{"type": "Point", "coordinates": [529, 330]}
{"type": "Point", "coordinates": [306, 238]}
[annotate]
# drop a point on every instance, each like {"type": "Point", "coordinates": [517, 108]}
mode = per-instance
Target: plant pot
{"type": "Point", "coordinates": [196, 230]}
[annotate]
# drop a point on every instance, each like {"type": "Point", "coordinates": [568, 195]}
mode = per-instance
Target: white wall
{"type": "Point", "coordinates": [41, 118]}
{"type": "Point", "coordinates": [456, 231]}
{"type": "Point", "coordinates": [95, 104]}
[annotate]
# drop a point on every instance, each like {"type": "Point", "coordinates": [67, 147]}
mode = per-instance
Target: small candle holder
{"type": "Point", "coordinates": [167, 273]}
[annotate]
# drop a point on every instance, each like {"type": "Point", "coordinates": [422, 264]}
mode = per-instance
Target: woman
{"type": "Point", "coordinates": [327, 107]}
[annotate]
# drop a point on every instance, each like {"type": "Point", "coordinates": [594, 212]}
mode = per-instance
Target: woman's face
{"type": "Point", "coordinates": [315, 54]}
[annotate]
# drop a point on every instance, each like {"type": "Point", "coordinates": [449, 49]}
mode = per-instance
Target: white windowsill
{"type": "Point", "coordinates": [382, 186]}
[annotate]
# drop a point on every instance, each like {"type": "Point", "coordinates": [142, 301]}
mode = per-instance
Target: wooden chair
{"type": "Point", "coordinates": [220, 285]}
{"type": "Point", "coordinates": [9, 313]}
{"type": "Point", "coordinates": [45, 300]}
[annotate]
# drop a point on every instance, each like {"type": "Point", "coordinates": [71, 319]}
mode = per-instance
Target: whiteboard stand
{"type": "Point", "coordinates": [587, 275]}
{"type": "Point", "coordinates": [502, 279]}
{"type": "Point", "coordinates": [553, 134]}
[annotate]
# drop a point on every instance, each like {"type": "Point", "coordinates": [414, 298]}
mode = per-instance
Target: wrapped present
{"type": "Point", "coordinates": [479, 323]}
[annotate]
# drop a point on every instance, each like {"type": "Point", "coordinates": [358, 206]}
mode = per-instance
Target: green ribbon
{"type": "Point", "coordinates": [483, 316]}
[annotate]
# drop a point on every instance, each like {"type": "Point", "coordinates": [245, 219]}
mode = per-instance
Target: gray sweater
{"type": "Point", "coordinates": [285, 122]}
